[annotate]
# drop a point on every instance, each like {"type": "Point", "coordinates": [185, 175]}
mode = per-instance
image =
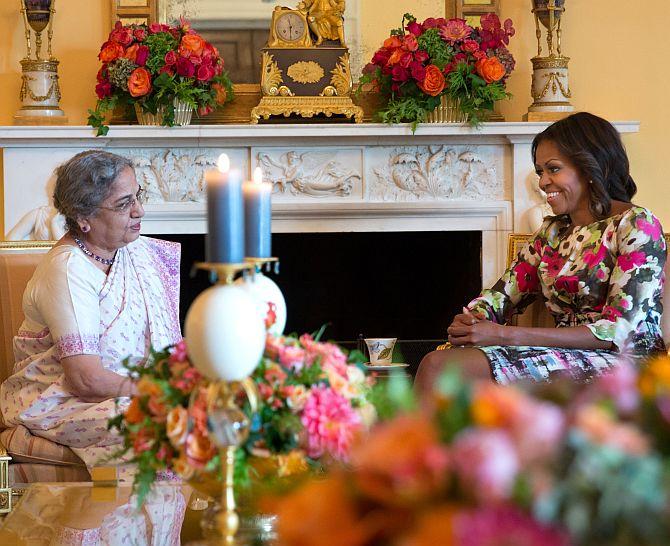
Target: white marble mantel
{"type": "Point", "coordinates": [327, 177]}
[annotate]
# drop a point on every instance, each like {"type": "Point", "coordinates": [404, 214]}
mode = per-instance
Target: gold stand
{"type": "Point", "coordinates": [306, 107]}
{"type": "Point", "coordinates": [230, 428]}
{"type": "Point", "coordinates": [258, 263]}
{"type": "Point", "coordinates": [225, 272]}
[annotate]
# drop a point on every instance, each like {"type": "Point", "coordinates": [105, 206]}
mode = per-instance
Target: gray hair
{"type": "Point", "coordinates": [84, 182]}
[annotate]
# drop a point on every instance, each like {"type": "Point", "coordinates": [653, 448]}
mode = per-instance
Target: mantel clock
{"type": "Point", "coordinates": [305, 68]}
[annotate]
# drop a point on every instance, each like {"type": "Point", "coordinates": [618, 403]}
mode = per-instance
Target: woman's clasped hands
{"type": "Point", "coordinates": [469, 330]}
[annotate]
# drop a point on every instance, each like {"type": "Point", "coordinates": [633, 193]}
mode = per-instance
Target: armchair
{"type": "Point", "coordinates": [33, 458]}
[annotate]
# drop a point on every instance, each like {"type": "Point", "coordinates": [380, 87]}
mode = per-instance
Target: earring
{"type": "Point", "coordinates": [84, 229]}
{"type": "Point", "coordinates": [590, 181]}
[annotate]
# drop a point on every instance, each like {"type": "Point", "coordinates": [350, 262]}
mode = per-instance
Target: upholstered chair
{"type": "Point", "coordinates": [537, 315]}
{"type": "Point", "coordinates": [33, 458]}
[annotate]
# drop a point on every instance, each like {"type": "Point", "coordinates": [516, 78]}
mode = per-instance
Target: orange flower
{"type": "Point", "coordinates": [181, 467]}
{"type": "Point", "coordinates": [320, 513]}
{"type": "Point", "coordinates": [199, 450]}
{"type": "Point", "coordinates": [139, 82]}
{"type": "Point", "coordinates": [490, 68]}
{"type": "Point", "coordinates": [221, 93]}
{"type": "Point", "coordinates": [110, 52]}
{"type": "Point", "coordinates": [192, 43]}
{"type": "Point", "coordinates": [655, 377]}
{"type": "Point", "coordinates": [434, 527]}
{"type": "Point", "coordinates": [176, 425]}
{"type": "Point", "coordinates": [392, 42]}
{"type": "Point", "coordinates": [434, 82]}
{"type": "Point", "coordinates": [291, 463]}
{"type": "Point", "coordinates": [134, 412]}
{"type": "Point", "coordinates": [417, 469]}
{"type": "Point", "coordinates": [131, 52]}
{"type": "Point", "coordinates": [395, 57]}
{"type": "Point", "coordinates": [149, 388]}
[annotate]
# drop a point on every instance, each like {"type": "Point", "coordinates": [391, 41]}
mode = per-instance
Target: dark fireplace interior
{"type": "Point", "coordinates": [407, 285]}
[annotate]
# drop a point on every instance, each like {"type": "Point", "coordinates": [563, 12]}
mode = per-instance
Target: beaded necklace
{"type": "Point", "coordinates": [106, 261]}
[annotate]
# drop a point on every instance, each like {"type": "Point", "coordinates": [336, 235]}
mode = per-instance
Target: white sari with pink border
{"type": "Point", "coordinates": [71, 308]}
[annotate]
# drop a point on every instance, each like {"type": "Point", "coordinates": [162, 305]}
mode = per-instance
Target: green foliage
{"type": "Point", "coordinates": [440, 52]}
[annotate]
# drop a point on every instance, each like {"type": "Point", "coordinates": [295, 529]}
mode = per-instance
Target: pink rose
{"type": "Point", "coordinates": [470, 46]}
{"type": "Point", "coordinates": [205, 73]}
{"type": "Point", "coordinates": [486, 463]}
{"type": "Point", "coordinates": [415, 28]}
{"type": "Point", "coordinates": [292, 357]}
{"type": "Point", "coordinates": [140, 34]}
{"type": "Point", "coordinates": [409, 43]}
{"type": "Point", "coordinates": [121, 35]}
{"type": "Point", "coordinates": [171, 58]}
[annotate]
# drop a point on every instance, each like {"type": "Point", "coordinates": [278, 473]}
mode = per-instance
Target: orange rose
{"type": "Point", "coordinates": [139, 82]}
{"type": "Point", "coordinates": [221, 93]}
{"type": "Point", "coordinates": [110, 52]}
{"type": "Point", "coordinates": [395, 56]}
{"type": "Point", "coordinates": [177, 421]}
{"type": "Point", "coordinates": [131, 52]}
{"type": "Point", "coordinates": [134, 412]}
{"type": "Point", "coordinates": [434, 82]}
{"type": "Point", "coordinates": [490, 68]}
{"type": "Point", "coordinates": [193, 43]}
{"type": "Point", "coordinates": [199, 450]}
{"type": "Point", "coordinates": [392, 42]}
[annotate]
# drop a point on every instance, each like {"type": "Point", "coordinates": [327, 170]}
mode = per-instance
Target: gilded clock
{"type": "Point", "coordinates": [289, 29]}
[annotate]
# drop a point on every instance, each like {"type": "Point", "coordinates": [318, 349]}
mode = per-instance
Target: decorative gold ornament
{"type": "Point", "coordinates": [40, 92]}
{"type": "Point", "coordinates": [305, 72]}
{"type": "Point", "coordinates": [550, 87]}
{"type": "Point", "coordinates": [307, 44]}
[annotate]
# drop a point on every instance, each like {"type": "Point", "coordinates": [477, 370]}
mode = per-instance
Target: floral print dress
{"type": "Point", "coordinates": [607, 276]}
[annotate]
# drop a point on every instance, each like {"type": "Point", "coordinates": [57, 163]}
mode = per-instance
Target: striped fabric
{"type": "Point", "coordinates": [32, 473]}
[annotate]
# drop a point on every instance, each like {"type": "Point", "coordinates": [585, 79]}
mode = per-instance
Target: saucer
{"type": "Point", "coordinates": [384, 367]}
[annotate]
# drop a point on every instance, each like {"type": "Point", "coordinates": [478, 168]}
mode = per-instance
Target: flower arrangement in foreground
{"type": "Point", "coordinates": [313, 404]}
{"type": "Point", "coordinates": [495, 465]}
{"type": "Point", "coordinates": [421, 62]}
{"type": "Point", "coordinates": [153, 65]}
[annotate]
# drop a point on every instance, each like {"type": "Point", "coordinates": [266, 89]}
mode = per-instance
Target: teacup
{"type": "Point", "coordinates": [381, 349]}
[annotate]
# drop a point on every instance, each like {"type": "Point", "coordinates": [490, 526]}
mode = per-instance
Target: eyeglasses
{"type": "Point", "coordinates": [124, 208]}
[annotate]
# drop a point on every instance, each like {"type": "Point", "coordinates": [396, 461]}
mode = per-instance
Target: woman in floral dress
{"type": "Point", "coordinates": [597, 264]}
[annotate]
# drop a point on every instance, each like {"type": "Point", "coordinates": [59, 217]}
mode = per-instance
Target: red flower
{"type": "Point", "coordinates": [185, 67]}
{"type": "Point", "coordinates": [110, 51]}
{"type": "Point", "coordinates": [431, 22]}
{"type": "Point", "coordinates": [167, 70]}
{"type": "Point", "coordinates": [418, 71]}
{"type": "Point", "coordinates": [526, 277]}
{"type": "Point", "coordinates": [421, 56]}
{"type": "Point", "coordinates": [204, 110]}
{"type": "Point", "coordinates": [592, 259]}
{"type": "Point", "coordinates": [405, 60]}
{"type": "Point", "coordinates": [142, 55]}
{"type": "Point", "coordinates": [470, 46]}
{"type": "Point", "coordinates": [140, 34]}
{"type": "Point", "coordinates": [415, 28]}
{"type": "Point", "coordinates": [103, 89]}
{"type": "Point", "coordinates": [205, 73]}
{"type": "Point", "coordinates": [409, 42]}
{"type": "Point", "coordinates": [610, 313]}
{"type": "Point", "coordinates": [628, 261]}
{"type": "Point", "coordinates": [171, 58]}
{"type": "Point", "coordinates": [121, 35]}
{"type": "Point", "coordinates": [400, 74]}
{"type": "Point", "coordinates": [569, 284]}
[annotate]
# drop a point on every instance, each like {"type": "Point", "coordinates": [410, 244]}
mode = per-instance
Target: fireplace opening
{"type": "Point", "coordinates": [407, 285]}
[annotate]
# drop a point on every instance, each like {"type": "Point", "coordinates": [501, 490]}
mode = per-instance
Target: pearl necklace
{"type": "Point", "coordinates": [86, 251]}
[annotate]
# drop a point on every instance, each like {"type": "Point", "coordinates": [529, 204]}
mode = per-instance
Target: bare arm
{"type": "Point", "coordinates": [87, 379]}
{"type": "Point", "coordinates": [484, 332]}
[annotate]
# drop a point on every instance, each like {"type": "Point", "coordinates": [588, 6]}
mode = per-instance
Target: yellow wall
{"type": "Point", "coordinates": [619, 68]}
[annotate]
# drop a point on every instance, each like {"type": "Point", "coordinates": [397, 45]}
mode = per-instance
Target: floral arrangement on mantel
{"type": "Point", "coordinates": [558, 465]}
{"type": "Point", "coordinates": [422, 62]}
{"type": "Point", "coordinates": [153, 65]}
{"type": "Point", "coordinates": [313, 404]}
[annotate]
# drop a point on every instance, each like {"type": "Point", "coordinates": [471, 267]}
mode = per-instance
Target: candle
{"type": "Point", "coordinates": [225, 216]}
{"type": "Point", "coordinates": [258, 216]}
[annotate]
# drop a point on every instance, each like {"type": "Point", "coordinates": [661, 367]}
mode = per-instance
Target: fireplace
{"type": "Point", "coordinates": [377, 284]}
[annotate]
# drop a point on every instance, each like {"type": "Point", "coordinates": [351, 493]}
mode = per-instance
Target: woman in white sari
{"type": "Point", "coordinates": [102, 293]}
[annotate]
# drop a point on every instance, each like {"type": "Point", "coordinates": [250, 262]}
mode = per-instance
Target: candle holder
{"type": "Point", "coordinates": [260, 263]}
{"type": "Point", "coordinates": [229, 428]}
{"type": "Point", "coordinates": [225, 272]}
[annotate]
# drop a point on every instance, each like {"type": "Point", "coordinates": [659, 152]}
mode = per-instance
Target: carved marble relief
{"type": "Point", "coordinates": [322, 173]}
{"type": "Point", "coordinates": [434, 172]}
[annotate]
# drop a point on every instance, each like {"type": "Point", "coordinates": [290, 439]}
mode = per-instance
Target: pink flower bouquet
{"type": "Point", "coordinates": [420, 62]}
{"type": "Point", "coordinates": [152, 65]}
{"type": "Point", "coordinates": [314, 403]}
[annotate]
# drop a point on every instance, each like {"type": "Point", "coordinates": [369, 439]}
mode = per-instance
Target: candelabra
{"type": "Point", "coordinates": [40, 92]}
{"type": "Point", "coordinates": [549, 88]}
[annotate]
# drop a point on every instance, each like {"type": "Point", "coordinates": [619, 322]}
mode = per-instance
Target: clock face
{"type": "Point", "coordinates": [290, 27]}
